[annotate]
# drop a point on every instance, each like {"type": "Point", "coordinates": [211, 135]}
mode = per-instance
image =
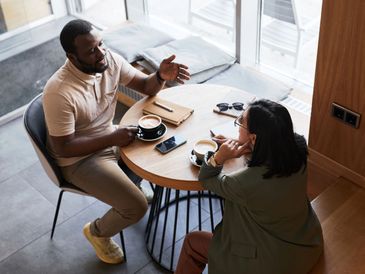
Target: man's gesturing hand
{"type": "Point", "coordinates": [170, 71]}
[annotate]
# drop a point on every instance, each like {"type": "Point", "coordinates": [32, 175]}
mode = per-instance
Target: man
{"type": "Point", "coordinates": [79, 103]}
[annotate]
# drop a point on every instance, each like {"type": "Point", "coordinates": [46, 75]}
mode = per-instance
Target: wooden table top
{"type": "Point", "coordinates": [174, 169]}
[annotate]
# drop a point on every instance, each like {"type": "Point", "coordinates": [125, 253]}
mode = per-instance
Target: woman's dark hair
{"type": "Point", "coordinates": [277, 147]}
{"type": "Point", "coordinates": [70, 31]}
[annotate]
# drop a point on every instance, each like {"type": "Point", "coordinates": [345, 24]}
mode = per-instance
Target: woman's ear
{"type": "Point", "coordinates": [252, 137]}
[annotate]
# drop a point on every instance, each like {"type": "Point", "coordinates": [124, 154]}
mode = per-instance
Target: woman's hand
{"type": "Point", "coordinates": [219, 139]}
{"type": "Point", "coordinates": [231, 149]}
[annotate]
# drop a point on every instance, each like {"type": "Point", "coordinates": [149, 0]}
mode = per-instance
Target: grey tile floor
{"type": "Point", "coordinates": [27, 204]}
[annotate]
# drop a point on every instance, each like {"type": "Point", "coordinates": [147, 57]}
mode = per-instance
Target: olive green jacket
{"type": "Point", "coordinates": [268, 225]}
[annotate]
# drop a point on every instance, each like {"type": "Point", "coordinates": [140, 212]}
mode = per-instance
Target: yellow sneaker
{"type": "Point", "coordinates": [106, 249]}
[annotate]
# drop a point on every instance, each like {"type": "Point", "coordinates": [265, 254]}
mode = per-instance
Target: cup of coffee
{"type": "Point", "coordinates": [149, 125]}
{"type": "Point", "coordinates": [201, 147]}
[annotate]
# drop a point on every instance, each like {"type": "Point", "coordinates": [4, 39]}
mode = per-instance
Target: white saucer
{"type": "Point", "coordinates": [160, 133]}
{"type": "Point", "coordinates": [194, 160]}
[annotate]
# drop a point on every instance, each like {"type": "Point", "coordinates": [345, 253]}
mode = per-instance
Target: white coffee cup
{"type": "Point", "coordinates": [201, 147]}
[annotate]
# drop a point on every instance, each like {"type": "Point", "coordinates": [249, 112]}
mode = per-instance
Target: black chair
{"type": "Point", "coordinates": [35, 126]}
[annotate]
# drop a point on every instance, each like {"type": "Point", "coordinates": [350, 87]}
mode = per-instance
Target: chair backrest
{"type": "Point", "coordinates": [35, 126]}
{"type": "Point", "coordinates": [280, 9]}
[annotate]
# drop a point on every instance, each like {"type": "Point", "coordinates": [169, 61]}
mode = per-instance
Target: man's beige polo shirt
{"type": "Point", "coordinates": [84, 104]}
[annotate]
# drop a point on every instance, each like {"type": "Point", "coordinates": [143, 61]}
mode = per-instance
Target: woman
{"type": "Point", "coordinates": [268, 225]}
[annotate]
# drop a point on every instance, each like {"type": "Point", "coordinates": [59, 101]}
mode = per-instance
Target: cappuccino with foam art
{"type": "Point", "coordinates": [150, 122]}
{"type": "Point", "coordinates": [149, 125]}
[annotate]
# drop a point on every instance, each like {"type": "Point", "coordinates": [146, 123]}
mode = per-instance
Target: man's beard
{"type": "Point", "coordinates": [87, 68]}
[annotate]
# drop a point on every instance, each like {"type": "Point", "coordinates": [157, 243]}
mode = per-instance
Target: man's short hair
{"type": "Point", "coordinates": [71, 30]}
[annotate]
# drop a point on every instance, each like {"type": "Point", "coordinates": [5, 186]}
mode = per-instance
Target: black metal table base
{"type": "Point", "coordinates": [163, 251]}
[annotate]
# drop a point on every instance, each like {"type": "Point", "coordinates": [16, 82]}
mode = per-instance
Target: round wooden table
{"type": "Point", "coordinates": [174, 169]}
{"type": "Point", "coordinates": [173, 172]}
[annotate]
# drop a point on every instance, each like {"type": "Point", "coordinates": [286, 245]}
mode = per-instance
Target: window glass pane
{"type": "Point", "coordinates": [289, 37]}
{"type": "Point", "coordinates": [102, 13]}
{"type": "Point", "coordinates": [211, 19]}
{"type": "Point", "coordinates": [18, 13]}
{"type": "Point", "coordinates": [17, 18]}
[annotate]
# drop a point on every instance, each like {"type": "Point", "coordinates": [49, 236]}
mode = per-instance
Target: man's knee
{"type": "Point", "coordinates": [136, 209]}
{"type": "Point", "coordinates": [141, 208]}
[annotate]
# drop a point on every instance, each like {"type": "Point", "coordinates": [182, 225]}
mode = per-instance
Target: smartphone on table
{"type": "Point", "coordinates": [170, 144]}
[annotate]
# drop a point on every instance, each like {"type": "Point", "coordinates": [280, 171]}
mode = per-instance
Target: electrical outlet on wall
{"type": "Point", "coordinates": [347, 116]}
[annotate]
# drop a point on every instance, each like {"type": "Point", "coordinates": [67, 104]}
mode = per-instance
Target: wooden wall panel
{"type": "Point", "coordinates": [340, 78]}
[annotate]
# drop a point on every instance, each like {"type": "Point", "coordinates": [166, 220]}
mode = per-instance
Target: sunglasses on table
{"type": "Point", "coordinates": [226, 106]}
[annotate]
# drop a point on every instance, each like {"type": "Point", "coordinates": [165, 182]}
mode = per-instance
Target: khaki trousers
{"type": "Point", "coordinates": [194, 253]}
{"type": "Point", "coordinates": [100, 176]}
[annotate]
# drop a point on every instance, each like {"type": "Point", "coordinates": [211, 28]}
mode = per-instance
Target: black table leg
{"type": "Point", "coordinates": [157, 228]}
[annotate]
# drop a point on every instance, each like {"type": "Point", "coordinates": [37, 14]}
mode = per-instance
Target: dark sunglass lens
{"type": "Point", "coordinates": [223, 106]}
{"type": "Point", "coordinates": [238, 106]}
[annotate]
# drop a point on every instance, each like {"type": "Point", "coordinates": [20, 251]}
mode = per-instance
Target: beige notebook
{"type": "Point", "coordinates": [169, 112]}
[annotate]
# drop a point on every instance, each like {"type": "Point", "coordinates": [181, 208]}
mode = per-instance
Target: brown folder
{"type": "Point", "coordinates": [169, 112]}
{"type": "Point", "coordinates": [230, 112]}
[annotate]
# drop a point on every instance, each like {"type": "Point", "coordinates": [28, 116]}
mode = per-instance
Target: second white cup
{"type": "Point", "coordinates": [201, 147]}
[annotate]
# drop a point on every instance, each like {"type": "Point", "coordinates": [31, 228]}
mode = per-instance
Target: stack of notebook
{"type": "Point", "coordinates": [169, 112]}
